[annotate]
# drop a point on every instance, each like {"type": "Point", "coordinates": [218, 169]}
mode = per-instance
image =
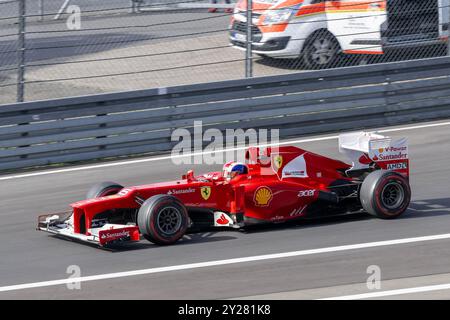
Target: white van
{"type": "Point", "coordinates": [315, 30]}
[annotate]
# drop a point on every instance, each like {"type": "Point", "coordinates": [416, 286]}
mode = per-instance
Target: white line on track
{"type": "Point", "coordinates": [388, 293]}
{"type": "Point", "coordinates": [167, 157]}
{"type": "Point", "coordinates": [191, 266]}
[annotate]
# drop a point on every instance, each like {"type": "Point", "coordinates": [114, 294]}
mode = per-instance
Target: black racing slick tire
{"type": "Point", "coordinates": [103, 189]}
{"type": "Point", "coordinates": [163, 219]}
{"type": "Point", "coordinates": [385, 194]}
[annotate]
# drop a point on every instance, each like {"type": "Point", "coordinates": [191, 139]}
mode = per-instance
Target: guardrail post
{"type": "Point", "coordinates": [447, 22]}
{"type": "Point", "coordinates": [248, 52]}
{"type": "Point", "coordinates": [21, 53]}
{"type": "Point", "coordinates": [136, 6]}
{"type": "Point", "coordinates": [41, 10]}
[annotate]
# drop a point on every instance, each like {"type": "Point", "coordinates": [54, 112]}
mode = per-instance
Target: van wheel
{"type": "Point", "coordinates": [163, 219]}
{"type": "Point", "coordinates": [321, 51]}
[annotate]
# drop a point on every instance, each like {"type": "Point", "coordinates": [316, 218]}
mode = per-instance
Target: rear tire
{"type": "Point", "coordinates": [385, 194]}
{"type": "Point", "coordinates": [163, 219]}
{"type": "Point", "coordinates": [103, 189]}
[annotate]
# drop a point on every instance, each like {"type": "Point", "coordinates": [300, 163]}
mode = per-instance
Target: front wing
{"type": "Point", "coordinates": [60, 224]}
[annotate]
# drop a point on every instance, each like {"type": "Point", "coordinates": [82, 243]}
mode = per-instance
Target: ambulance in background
{"type": "Point", "coordinates": [316, 31]}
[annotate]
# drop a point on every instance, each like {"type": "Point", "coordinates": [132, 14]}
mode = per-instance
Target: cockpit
{"type": "Point", "coordinates": [233, 169]}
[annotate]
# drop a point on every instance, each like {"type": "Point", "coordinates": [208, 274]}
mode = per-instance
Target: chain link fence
{"type": "Point", "coordinates": [60, 48]}
{"type": "Point", "coordinates": [334, 34]}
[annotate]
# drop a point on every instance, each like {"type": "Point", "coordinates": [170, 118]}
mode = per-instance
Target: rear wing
{"type": "Point", "coordinates": [367, 148]}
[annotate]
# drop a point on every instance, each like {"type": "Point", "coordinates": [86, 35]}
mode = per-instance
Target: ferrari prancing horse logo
{"type": "Point", "coordinates": [205, 192]}
{"type": "Point", "coordinates": [278, 161]}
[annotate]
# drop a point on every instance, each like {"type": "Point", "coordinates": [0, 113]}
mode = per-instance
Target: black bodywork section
{"type": "Point", "coordinates": [411, 23]}
{"type": "Point", "coordinates": [342, 198]}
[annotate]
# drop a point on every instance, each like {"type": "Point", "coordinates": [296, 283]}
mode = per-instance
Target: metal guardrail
{"type": "Point", "coordinates": [111, 125]}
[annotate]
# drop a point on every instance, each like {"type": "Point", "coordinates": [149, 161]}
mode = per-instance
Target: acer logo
{"type": "Point", "coordinates": [306, 193]}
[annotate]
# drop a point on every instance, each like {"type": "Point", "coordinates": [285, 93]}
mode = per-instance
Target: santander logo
{"type": "Point", "coordinates": [222, 220]}
{"type": "Point", "coordinates": [118, 234]}
{"type": "Point", "coordinates": [364, 159]}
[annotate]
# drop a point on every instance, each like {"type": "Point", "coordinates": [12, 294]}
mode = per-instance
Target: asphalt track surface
{"type": "Point", "coordinates": [28, 256]}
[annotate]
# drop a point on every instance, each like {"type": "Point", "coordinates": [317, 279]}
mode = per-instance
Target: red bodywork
{"type": "Point", "coordinates": [281, 184]}
{"type": "Point", "coordinates": [269, 192]}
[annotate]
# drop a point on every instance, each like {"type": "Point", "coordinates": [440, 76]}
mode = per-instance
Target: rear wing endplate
{"type": "Point", "coordinates": [367, 148]}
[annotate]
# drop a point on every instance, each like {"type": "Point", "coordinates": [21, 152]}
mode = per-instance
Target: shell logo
{"type": "Point", "coordinates": [263, 196]}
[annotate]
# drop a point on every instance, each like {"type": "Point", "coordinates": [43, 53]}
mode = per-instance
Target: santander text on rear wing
{"type": "Point", "coordinates": [368, 148]}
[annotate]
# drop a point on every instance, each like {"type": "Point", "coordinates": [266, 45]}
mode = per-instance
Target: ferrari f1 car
{"type": "Point", "coordinates": [274, 185]}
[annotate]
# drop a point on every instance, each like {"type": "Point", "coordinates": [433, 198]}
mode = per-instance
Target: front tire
{"type": "Point", "coordinates": [321, 51]}
{"type": "Point", "coordinates": [385, 194]}
{"type": "Point", "coordinates": [163, 219]}
{"type": "Point", "coordinates": [103, 189]}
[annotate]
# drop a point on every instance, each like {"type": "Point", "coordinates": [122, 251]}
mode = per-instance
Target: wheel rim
{"type": "Point", "coordinates": [392, 195]}
{"type": "Point", "coordinates": [322, 51]}
{"type": "Point", "coordinates": [169, 220]}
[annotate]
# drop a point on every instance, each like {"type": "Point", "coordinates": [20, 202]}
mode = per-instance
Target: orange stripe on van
{"type": "Point", "coordinates": [273, 28]}
{"type": "Point", "coordinates": [362, 5]}
{"type": "Point", "coordinates": [362, 52]}
{"type": "Point", "coordinates": [356, 5]}
{"type": "Point", "coordinates": [311, 9]}
{"type": "Point", "coordinates": [341, 7]}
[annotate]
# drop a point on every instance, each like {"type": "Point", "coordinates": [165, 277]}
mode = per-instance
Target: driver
{"type": "Point", "coordinates": [232, 169]}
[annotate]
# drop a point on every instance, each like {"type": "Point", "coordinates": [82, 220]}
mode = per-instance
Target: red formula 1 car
{"type": "Point", "coordinates": [274, 185]}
